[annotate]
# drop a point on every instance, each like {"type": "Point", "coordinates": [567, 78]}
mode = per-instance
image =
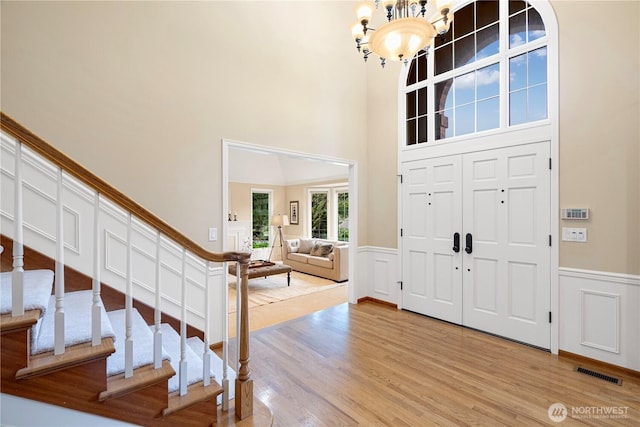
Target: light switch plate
{"type": "Point", "coordinates": [574, 234]}
{"type": "Point", "coordinates": [213, 234]}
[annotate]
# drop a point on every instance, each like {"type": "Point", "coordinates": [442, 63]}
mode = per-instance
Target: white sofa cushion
{"type": "Point", "coordinates": [320, 261]}
{"type": "Point", "coordinates": [306, 245]}
{"type": "Point", "coordinates": [298, 257]}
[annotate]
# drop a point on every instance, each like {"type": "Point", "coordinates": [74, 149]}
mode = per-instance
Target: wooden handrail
{"type": "Point", "coordinates": [37, 144]}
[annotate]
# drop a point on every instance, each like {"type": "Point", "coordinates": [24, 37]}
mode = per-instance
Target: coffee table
{"type": "Point", "coordinates": [264, 269]}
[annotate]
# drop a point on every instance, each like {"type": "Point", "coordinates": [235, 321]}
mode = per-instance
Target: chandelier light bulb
{"type": "Point", "coordinates": [411, 26]}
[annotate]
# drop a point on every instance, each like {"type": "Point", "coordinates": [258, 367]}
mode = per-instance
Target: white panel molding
{"type": "Point", "coordinates": [378, 274]}
{"type": "Point", "coordinates": [109, 236]}
{"type": "Point", "coordinates": [586, 317]}
{"type": "Point", "coordinates": [623, 279]}
{"type": "Point", "coordinates": [606, 329]}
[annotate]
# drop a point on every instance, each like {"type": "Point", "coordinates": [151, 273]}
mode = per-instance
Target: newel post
{"type": "Point", "coordinates": [244, 383]}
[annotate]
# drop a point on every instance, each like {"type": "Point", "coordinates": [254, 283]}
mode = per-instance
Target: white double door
{"type": "Point", "coordinates": [495, 274]}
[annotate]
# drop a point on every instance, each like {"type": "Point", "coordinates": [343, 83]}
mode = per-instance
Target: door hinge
{"type": "Point", "coordinates": [400, 175]}
{"type": "Point", "coordinates": [400, 284]}
{"type": "Point", "coordinates": [401, 232]}
{"type": "Point", "coordinates": [549, 239]}
{"type": "Point", "coordinates": [549, 163]}
{"type": "Point", "coordinates": [549, 317]}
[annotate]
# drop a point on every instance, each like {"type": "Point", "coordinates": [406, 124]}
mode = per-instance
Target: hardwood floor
{"type": "Point", "coordinates": [373, 365]}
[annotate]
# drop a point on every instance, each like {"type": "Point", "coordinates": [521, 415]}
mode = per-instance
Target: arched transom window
{"type": "Point", "coordinates": [488, 72]}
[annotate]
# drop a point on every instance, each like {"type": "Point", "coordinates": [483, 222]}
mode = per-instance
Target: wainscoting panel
{"type": "Point", "coordinates": [599, 316]}
{"type": "Point", "coordinates": [378, 274]}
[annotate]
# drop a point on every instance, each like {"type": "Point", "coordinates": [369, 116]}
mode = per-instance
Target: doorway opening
{"type": "Point", "coordinates": [291, 178]}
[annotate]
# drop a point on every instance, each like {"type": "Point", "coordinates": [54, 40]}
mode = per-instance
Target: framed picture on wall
{"type": "Point", "coordinates": [293, 212]}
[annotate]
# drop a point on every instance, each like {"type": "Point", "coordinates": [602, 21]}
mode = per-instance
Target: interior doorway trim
{"type": "Point", "coordinates": [353, 196]}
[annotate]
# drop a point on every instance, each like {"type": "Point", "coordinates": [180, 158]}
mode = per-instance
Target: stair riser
{"type": "Point", "coordinates": [14, 348]}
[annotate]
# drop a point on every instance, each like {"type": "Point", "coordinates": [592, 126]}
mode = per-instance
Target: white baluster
{"type": "Point", "coordinates": [157, 334]}
{"type": "Point", "coordinates": [59, 284]}
{"type": "Point", "coordinates": [225, 338]}
{"type": "Point", "coordinates": [206, 356]}
{"type": "Point", "coordinates": [128, 343]}
{"type": "Point", "coordinates": [96, 312]}
{"type": "Point", "coordinates": [17, 275]}
{"type": "Point", "coordinates": [183, 328]}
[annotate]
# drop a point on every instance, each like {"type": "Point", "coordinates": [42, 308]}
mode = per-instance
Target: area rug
{"type": "Point", "coordinates": [267, 290]}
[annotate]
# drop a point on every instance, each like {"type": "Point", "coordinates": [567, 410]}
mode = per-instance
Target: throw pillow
{"type": "Point", "coordinates": [322, 249]}
{"type": "Point", "coordinates": [306, 245]}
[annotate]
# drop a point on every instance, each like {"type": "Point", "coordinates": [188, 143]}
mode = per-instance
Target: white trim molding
{"type": "Point", "coordinates": [599, 316]}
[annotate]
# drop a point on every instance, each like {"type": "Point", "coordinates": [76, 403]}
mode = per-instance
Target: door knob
{"type": "Point", "coordinates": [456, 242]}
{"type": "Point", "coordinates": [469, 243]}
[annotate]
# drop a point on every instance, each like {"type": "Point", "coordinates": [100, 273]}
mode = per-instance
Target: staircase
{"type": "Point", "coordinates": [73, 335]}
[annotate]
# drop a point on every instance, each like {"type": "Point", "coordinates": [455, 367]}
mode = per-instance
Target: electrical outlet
{"type": "Point", "coordinates": [213, 234]}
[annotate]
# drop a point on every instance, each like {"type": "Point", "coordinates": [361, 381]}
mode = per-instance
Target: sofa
{"type": "Point", "coordinates": [319, 257]}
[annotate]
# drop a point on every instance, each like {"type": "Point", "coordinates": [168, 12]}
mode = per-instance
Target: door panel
{"type": "Point", "coordinates": [508, 215]}
{"type": "Point", "coordinates": [431, 215]}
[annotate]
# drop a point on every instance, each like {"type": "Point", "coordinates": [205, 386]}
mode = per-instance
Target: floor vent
{"type": "Point", "coordinates": [614, 380]}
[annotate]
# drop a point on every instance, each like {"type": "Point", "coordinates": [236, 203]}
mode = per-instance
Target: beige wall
{"type": "Point", "coordinates": [599, 133]}
{"type": "Point", "coordinates": [142, 93]}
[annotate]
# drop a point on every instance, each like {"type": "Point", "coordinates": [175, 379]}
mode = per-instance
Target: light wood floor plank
{"type": "Point", "coordinates": [372, 365]}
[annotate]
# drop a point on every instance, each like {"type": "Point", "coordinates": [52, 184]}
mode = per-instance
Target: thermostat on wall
{"type": "Point", "coordinates": [575, 213]}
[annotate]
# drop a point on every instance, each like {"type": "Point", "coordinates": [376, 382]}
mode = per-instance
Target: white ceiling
{"type": "Point", "coordinates": [261, 167]}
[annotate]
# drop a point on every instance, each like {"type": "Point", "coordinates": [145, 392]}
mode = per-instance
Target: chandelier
{"type": "Point", "coordinates": [410, 26]}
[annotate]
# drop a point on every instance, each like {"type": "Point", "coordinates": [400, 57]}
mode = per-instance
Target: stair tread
{"type": "Point", "coordinates": [11, 323]}
{"type": "Point", "coordinates": [37, 285]}
{"type": "Point", "coordinates": [196, 393]}
{"type": "Point", "coordinates": [75, 355]}
{"type": "Point", "coordinates": [118, 385]}
{"type": "Point", "coordinates": [171, 343]}
{"type": "Point", "coordinates": [142, 342]}
{"type": "Point", "coordinates": [216, 365]}
{"type": "Point", "coordinates": [77, 306]}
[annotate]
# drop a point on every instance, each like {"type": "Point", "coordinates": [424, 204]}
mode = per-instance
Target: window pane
{"type": "Point", "coordinates": [443, 59]}
{"type": "Point", "coordinates": [444, 95]}
{"type": "Point", "coordinates": [488, 81]}
{"type": "Point", "coordinates": [422, 66]}
{"type": "Point", "coordinates": [260, 219]}
{"type": "Point", "coordinates": [463, 21]}
{"type": "Point", "coordinates": [518, 107]}
{"type": "Point", "coordinates": [411, 104]}
{"type": "Point", "coordinates": [465, 86]}
{"type": "Point", "coordinates": [411, 132]}
{"type": "Point", "coordinates": [422, 130]}
{"type": "Point", "coordinates": [488, 41]}
{"type": "Point", "coordinates": [444, 124]}
{"type": "Point", "coordinates": [411, 76]}
{"type": "Point", "coordinates": [422, 101]}
{"type": "Point", "coordinates": [465, 120]}
{"type": "Point", "coordinates": [517, 30]}
{"type": "Point", "coordinates": [537, 103]}
{"type": "Point", "coordinates": [517, 72]}
{"type": "Point", "coordinates": [465, 50]}
{"type": "Point", "coordinates": [537, 66]}
{"type": "Point", "coordinates": [516, 6]}
{"type": "Point", "coordinates": [536, 26]}
{"type": "Point", "coordinates": [343, 217]}
{"type": "Point", "coordinates": [488, 114]}
{"type": "Point", "coordinates": [487, 13]}
{"type": "Point", "coordinates": [319, 215]}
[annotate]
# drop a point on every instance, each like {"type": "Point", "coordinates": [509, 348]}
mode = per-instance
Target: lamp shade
{"type": "Point", "coordinates": [402, 38]}
{"type": "Point", "coordinates": [280, 220]}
